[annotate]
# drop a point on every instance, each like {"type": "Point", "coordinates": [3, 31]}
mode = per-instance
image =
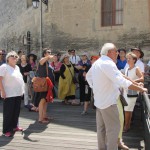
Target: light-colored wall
{"type": "Point", "coordinates": [72, 24]}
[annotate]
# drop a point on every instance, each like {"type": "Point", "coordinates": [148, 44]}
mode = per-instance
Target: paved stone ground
{"type": "Point", "coordinates": [68, 131]}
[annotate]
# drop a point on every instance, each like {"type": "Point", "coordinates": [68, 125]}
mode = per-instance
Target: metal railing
{"type": "Point", "coordinates": [146, 119]}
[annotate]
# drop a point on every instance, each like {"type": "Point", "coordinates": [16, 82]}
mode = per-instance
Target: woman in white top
{"type": "Point", "coordinates": [134, 73]}
{"type": "Point", "coordinates": [139, 54]}
{"type": "Point", "coordinates": [12, 89]}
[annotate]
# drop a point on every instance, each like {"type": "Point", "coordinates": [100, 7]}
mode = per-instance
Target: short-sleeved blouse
{"type": "Point", "coordinates": [12, 80]}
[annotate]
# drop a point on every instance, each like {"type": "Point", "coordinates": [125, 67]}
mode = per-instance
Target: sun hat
{"type": "Point", "coordinates": [63, 57]}
{"type": "Point", "coordinates": [138, 49]}
{"type": "Point", "coordinates": [85, 54]}
{"type": "Point", "coordinates": [33, 55]}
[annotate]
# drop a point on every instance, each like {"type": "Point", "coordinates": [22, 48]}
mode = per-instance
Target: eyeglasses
{"type": "Point", "coordinates": [1, 54]}
{"type": "Point", "coordinates": [14, 56]}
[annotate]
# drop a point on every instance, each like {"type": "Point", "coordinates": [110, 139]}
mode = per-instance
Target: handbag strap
{"type": "Point", "coordinates": [128, 71]}
{"type": "Point", "coordinates": [121, 91]}
{"type": "Point", "coordinates": [46, 69]}
{"type": "Point", "coordinates": [69, 70]}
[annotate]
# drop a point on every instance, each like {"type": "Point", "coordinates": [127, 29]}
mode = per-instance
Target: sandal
{"type": "Point", "coordinates": [35, 109]}
{"type": "Point", "coordinates": [44, 121]}
{"type": "Point", "coordinates": [75, 104]}
{"type": "Point", "coordinates": [49, 118]}
{"type": "Point", "coordinates": [125, 130]}
{"type": "Point", "coordinates": [65, 103]}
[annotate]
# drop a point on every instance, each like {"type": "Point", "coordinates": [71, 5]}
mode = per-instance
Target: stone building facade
{"type": "Point", "coordinates": [74, 24]}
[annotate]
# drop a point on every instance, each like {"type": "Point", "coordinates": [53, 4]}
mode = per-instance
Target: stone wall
{"type": "Point", "coordinates": [71, 24]}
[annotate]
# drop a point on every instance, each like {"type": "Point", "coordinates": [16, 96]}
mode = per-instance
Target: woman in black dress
{"type": "Point", "coordinates": [40, 98]}
{"type": "Point", "coordinates": [85, 90]}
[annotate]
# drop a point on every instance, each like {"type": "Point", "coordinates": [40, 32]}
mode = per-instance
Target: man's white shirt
{"type": "Point", "coordinates": [74, 59]}
{"type": "Point", "coordinates": [105, 79]}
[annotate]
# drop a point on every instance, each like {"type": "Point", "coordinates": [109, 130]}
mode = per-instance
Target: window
{"type": "Point", "coordinates": [29, 3]}
{"type": "Point", "coordinates": [112, 12]}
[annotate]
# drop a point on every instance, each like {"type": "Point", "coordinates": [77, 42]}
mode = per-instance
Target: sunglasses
{"type": "Point", "coordinates": [48, 52]}
{"type": "Point", "coordinates": [14, 56]}
{"type": "Point", "coordinates": [1, 54]}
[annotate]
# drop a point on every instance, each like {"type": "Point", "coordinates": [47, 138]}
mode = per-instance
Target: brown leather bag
{"type": "Point", "coordinates": [40, 83]}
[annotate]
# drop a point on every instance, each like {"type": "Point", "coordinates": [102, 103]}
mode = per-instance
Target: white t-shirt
{"type": "Point", "coordinates": [140, 64]}
{"type": "Point", "coordinates": [12, 80]}
{"type": "Point", "coordinates": [74, 59]}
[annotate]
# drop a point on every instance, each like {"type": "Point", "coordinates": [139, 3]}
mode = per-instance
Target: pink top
{"type": "Point", "coordinates": [33, 64]}
{"type": "Point", "coordinates": [56, 66]}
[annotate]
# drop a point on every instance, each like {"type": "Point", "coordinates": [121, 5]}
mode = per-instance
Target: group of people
{"type": "Point", "coordinates": [16, 73]}
{"type": "Point", "coordinates": [102, 76]}
{"type": "Point", "coordinates": [107, 81]}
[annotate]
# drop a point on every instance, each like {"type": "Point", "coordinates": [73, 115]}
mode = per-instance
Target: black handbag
{"type": "Point", "coordinates": [132, 93]}
{"type": "Point", "coordinates": [74, 79]}
{"type": "Point", "coordinates": [122, 99]}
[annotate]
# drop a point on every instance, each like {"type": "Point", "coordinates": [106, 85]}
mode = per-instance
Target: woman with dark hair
{"type": "Point", "coordinates": [83, 67]}
{"type": "Point", "coordinates": [121, 61]}
{"type": "Point", "coordinates": [25, 68]}
{"type": "Point", "coordinates": [86, 92]}
{"type": "Point", "coordinates": [32, 61]}
{"type": "Point", "coordinates": [40, 97]}
{"type": "Point", "coordinates": [2, 61]}
{"type": "Point", "coordinates": [56, 66]}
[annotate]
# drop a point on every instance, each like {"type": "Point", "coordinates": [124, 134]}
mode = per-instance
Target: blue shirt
{"type": "Point", "coordinates": [121, 64]}
{"type": "Point", "coordinates": [2, 62]}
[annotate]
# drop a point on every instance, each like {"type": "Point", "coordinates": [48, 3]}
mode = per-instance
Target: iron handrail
{"type": "Point", "coordinates": [147, 101]}
{"type": "Point", "coordinates": [146, 120]}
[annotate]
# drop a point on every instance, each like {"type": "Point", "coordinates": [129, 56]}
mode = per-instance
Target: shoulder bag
{"type": "Point", "coordinates": [73, 77]}
{"type": "Point", "coordinates": [122, 99]}
{"type": "Point", "coordinates": [40, 83]}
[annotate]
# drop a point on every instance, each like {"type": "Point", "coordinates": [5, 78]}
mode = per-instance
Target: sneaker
{"type": "Point", "coordinates": [84, 113]}
{"type": "Point", "coordinates": [18, 129]}
{"type": "Point", "coordinates": [7, 134]}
